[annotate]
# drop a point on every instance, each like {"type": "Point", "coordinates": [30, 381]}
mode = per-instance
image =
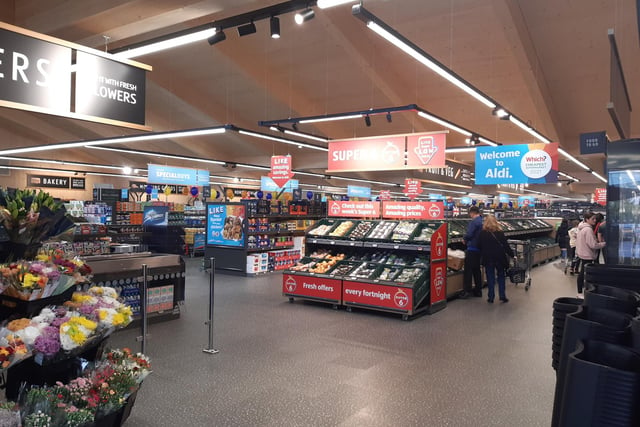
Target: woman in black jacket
{"type": "Point", "coordinates": [562, 238]}
{"type": "Point", "coordinates": [495, 253]}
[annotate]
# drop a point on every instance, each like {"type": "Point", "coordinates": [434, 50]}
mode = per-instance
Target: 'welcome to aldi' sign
{"type": "Point", "coordinates": [36, 75]}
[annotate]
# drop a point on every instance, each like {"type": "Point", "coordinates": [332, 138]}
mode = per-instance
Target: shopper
{"type": "Point", "coordinates": [472, 256]}
{"type": "Point", "coordinates": [495, 254]}
{"type": "Point", "coordinates": [562, 239]}
{"type": "Point", "coordinates": [573, 235]}
{"type": "Point", "coordinates": [599, 230]}
{"type": "Point", "coordinates": [586, 247]}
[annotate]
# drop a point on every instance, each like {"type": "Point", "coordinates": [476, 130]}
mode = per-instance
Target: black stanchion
{"type": "Point", "coordinates": [212, 265]}
{"type": "Point", "coordinates": [143, 310]}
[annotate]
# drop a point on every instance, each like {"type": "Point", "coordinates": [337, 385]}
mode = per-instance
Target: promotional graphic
{"type": "Point", "coordinates": [389, 297]}
{"type": "Point", "coordinates": [370, 154]}
{"type": "Point", "coordinates": [160, 174]}
{"type": "Point", "coordinates": [225, 224]}
{"type": "Point", "coordinates": [267, 184]}
{"type": "Point", "coordinates": [312, 287]}
{"type": "Point", "coordinates": [438, 281]}
{"type": "Point", "coordinates": [385, 195]}
{"type": "Point", "coordinates": [413, 210]}
{"type": "Point", "coordinates": [155, 216]}
{"type": "Point", "coordinates": [517, 164]}
{"type": "Point", "coordinates": [526, 201]}
{"type": "Point", "coordinates": [280, 170]}
{"type": "Point", "coordinates": [355, 191]}
{"type": "Point", "coordinates": [353, 209]}
{"type": "Point", "coordinates": [412, 188]}
{"type": "Point", "coordinates": [426, 150]}
{"type": "Point", "coordinates": [600, 196]}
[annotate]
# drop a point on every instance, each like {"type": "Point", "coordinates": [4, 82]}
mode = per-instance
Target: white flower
{"type": "Point", "coordinates": [46, 316]}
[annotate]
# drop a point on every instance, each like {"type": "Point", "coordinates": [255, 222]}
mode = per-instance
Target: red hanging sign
{"type": "Point", "coordinates": [280, 170]}
{"type": "Point", "coordinates": [600, 196]}
{"type": "Point", "coordinates": [412, 188]}
{"type": "Point", "coordinates": [413, 210]}
{"type": "Point", "coordinates": [385, 195]}
{"type": "Point", "coordinates": [426, 150]}
{"type": "Point", "coordinates": [371, 154]}
{"type": "Point", "coordinates": [354, 209]}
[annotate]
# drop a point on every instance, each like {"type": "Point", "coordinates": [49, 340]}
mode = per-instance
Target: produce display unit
{"type": "Point", "coordinates": [256, 236]}
{"type": "Point", "coordinates": [385, 265]}
{"type": "Point", "coordinates": [165, 281]}
{"type": "Point", "coordinates": [536, 230]}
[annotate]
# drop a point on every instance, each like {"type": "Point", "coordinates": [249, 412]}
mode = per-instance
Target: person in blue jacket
{"type": "Point", "coordinates": [472, 256]}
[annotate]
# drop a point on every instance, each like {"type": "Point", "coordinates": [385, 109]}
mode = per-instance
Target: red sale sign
{"type": "Point", "coordinates": [413, 210]}
{"type": "Point", "coordinates": [370, 154]}
{"type": "Point", "coordinates": [389, 297]}
{"type": "Point", "coordinates": [412, 188]}
{"type": "Point", "coordinates": [385, 195]}
{"type": "Point", "coordinates": [280, 170]}
{"type": "Point", "coordinates": [438, 281]}
{"type": "Point", "coordinates": [426, 150]}
{"type": "Point", "coordinates": [312, 287]}
{"type": "Point", "coordinates": [600, 196]}
{"type": "Point", "coordinates": [354, 209]}
{"type": "Point", "coordinates": [439, 244]}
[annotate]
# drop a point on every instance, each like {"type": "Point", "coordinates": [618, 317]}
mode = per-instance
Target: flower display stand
{"type": "Point", "coordinates": [15, 308]}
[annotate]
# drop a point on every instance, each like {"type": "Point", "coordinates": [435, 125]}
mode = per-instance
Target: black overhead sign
{"type": "Point", "coordinates": [47, 181]}
{"type": "Point", "coordinates": [454, 173]}
{"type": "Point", "coordinates": [36, 74]}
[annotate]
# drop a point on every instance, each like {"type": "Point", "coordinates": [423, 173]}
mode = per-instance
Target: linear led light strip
{"type": "Point", "coordinates": [36, 169]}
{"type": "Point", "coordinates": [118, 140]}
{"type": "Point", "coordinates": [62, 162]}
{"type": "Point", "coordinates": [300, 134]}
{"type": "Point", "coordinates": [566, 175]}
{"type": "Point", "coordinates": [528, 129]}
{"type": "Point", "coordinates": [283, 140]}
{"type": "Point", "coordinates": [166, 44]}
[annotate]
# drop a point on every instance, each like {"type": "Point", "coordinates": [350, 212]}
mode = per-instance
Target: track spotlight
{"type": "Point", "coordinates": [367, 120]}
{"type": "Point", "coordinates": [389, 118]}
{"type": "Point", "coordinates": [274, 23]}
{"type": "Point", "coordinates": [246, 29]}
{"type": "Point", "coordinates": [294, 126]}
{"type": "Point", "coordinates": [217, 37]}
{"type": "Point", "coordinates": [304, 16]}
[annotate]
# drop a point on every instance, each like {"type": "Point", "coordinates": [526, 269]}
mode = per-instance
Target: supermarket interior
{"type": "Point", "coordinates": [295, 212]}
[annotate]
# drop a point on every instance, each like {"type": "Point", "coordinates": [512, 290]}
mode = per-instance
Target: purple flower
{"type": "Point", "coordinates": [48, 343]}
{"type": "Point", "coordinates": [59, 321]}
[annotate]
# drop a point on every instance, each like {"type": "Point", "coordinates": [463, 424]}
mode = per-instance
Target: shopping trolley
{"type": "Point", "coordinates": [519, 270]}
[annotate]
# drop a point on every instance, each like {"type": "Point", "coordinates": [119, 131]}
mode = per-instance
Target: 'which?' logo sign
{"type": "Point", "coordinates": [517, 164]}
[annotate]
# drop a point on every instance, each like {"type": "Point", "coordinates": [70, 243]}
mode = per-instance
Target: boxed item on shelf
{"type": "Point", "coordinates": [361, 229]}
{"type": "Point", "coordinates": [455, 259]}
{"type": "Point", "coordinates": [404, 230]}
{"type": "Point", "coordinates": [322, 227]}
{"type": "Point", "coordinates": [382, 230]}
{"type": "Point", "coordinates": [342, 229]}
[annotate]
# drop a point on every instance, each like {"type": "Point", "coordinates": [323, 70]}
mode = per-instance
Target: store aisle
{"type": "Point", "coordinates": [281, 364]}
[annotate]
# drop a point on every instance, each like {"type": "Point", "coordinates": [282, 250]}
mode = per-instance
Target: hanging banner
{"type": "Point", "coordinates": [413, 210]}
{"type": "Point", "coordinates": [280, 170]}
{"type": "Point", "coordinates": [517, 164]}
{"type": "Point", "coordinates": [385, 195]}
{"type": "Point", "coordinates": [600, 196]}
{"type": "Point", "coordinates": [159, 174]}
{"type": "Point", "coordinates": [267, 184]}
{"type": "Point", "coordinates": [354, 209]}
{"type": "Point", "coordinates": [370, 154]}
{"type": "Point", "coordinates": [426, 150]}
{"type": "Point", "coordinates": [412, 188]}
{"type": "Point", "coordinates": [454, 173]}
{"type": "Point", "coordinates": [36, 74]}
{"type": "Point", "coordinates": [354, 191]}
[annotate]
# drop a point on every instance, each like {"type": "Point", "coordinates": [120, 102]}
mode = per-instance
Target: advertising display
{"type": "Point", "coordinates": [280, 170]}
{"type": "Point", "coordinates": [390, 297]}
{"type": "Point", "coordinates": [526, 201]}
{"type": "Point", "coordinates": [352, 209]}
{"type": "Point", "coordinates": [312, 287]}
{"type": "Point", "coordinates": [517, 164]}
{"type": "Point", "coordinates": [370, 154]}
{"type": "Point", "coordinates": [355, 191]}
{"type": "Point", "coordinates": [413, 210]}
{"type": "Point", "coordinates": [267, 184]}
{"type": "Point", "coordinates": [412, 188]}
{"type": "Point", "coordinates": [225, 224]}
{"type": "Point", "coordinates": [385, 195]}
{"type": "Point", "coordinates": [160, 174]}
{"type": "Point", "coordinates": [438, 270]}
{"type": "Point", "coordinates": [600, 196]}
{"type": "Point", "coordinates": [426, 150]}
{"type": "Point", "coordinates": [155, 216]}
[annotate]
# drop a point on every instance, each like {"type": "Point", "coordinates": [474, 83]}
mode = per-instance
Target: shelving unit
{"type": "Point", "coordinates": [362, 263]}
{"type": "Point", "coordinates": [256, 236]}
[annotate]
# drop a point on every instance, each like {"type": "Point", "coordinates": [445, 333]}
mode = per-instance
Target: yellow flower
{"type": "Point", "coordinates": [30, 280]}
{"type": "Point", "coordinates": [118, 319]}
{"type": "Point", "coordinates": [43, 257]}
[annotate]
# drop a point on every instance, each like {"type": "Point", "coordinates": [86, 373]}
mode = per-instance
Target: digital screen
{"type": "Point", "coordinates": [225, 224]}
{"type": "Point", "coordinates": [155, 216]}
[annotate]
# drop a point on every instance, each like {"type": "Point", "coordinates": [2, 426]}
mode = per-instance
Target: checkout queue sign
{"type": "Point", "coordinates": [517, 164]}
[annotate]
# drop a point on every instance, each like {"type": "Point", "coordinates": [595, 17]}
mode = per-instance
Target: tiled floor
{"type": "Point", "coordinates": [281, 364]}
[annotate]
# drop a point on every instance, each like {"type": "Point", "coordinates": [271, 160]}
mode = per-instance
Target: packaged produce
{"type": "Point", "coordinates": [341, 229]}
{"type": "Point", "coordinates": [382, 230]}
{"type": "Point", "coordinates": [404, 230]}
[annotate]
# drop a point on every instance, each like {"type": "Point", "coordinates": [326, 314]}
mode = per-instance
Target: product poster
{"type": "Point", "coordinates": [517, 164]}
{"type": "Point", "coordinates": [225, 224]}
{"type": "Point", "coordinates": [156, 216]}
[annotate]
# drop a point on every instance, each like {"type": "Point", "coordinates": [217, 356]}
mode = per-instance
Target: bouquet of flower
{"type": "Point", "coordinates": [71, 267]}
{"type": "Point", "coordinates": [12, 349]}
{"type": "Point", "coordinates": [30, 280]}
{"type": "Point", "coordinates": [76, 331]}
{"type": "Point", "coordinates": [29, 218]}
{"type": "Point", "coordinates": [123, 360]}
{"type": "Point", "coordinates": [102, 305]}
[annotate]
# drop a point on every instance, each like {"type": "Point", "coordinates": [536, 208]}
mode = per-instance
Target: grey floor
{"type": "Point", "coordinates": [281, 364]}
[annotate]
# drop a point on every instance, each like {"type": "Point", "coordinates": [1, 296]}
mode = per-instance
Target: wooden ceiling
{"type": "Point", "coordinates": [544, 60]}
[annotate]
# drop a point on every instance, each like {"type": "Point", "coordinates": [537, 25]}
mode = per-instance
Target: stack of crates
{"type": "Point", "coordinates": [257, 263]}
